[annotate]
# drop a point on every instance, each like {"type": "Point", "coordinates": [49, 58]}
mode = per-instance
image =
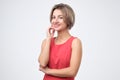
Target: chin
{"type": "Point", "coordinates": [57, 29]}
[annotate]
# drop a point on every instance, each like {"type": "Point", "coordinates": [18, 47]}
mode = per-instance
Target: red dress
{"type": "Point", "coordinates": [60, 56]}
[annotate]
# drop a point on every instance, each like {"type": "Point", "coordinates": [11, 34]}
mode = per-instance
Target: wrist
{"type": "Point", "coordinates": [48, 71]}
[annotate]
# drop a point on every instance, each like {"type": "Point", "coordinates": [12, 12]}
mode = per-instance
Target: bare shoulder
{"type": "Point", "coordinates": [43, 42]}
{"type": "Point", "coordinates": [76, 42]}
{"type": "Point", "coordinates": [46, 41]}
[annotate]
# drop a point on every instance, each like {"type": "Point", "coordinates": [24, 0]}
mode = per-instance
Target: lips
{"type": "Point", "coordinates": [56, 25]}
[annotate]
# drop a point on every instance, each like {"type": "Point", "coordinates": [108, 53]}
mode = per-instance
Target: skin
{"type": "Point", "coordinates": [58, 24]}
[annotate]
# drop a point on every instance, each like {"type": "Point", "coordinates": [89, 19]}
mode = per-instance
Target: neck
{"type": "Point", "coordinates": [64, 34]}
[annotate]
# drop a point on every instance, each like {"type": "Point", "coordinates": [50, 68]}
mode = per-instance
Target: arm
{"type": "Point", "coordinates": [45, 49]}
{"type": "Point", "coordinates": [74, 63]}
{"type": "Point", "coordinates": [44, 54]}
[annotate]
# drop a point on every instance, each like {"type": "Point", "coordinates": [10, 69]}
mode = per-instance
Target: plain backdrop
{"type": "Point", "coordinates": [23, 25]}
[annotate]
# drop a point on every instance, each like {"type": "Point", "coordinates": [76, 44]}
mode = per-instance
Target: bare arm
{"type": "Point", "coordinates": [45, 49]}
{"type": "Point", "coordinates": [74, 63]}
{"type": "Point", "coordinates": [44, 54]}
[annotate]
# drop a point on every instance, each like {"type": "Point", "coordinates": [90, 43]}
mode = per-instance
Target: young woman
{"type": "Point", "coordinates": [60, 56]}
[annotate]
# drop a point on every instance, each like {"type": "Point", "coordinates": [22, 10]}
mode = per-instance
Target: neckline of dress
{"type": "Point", "coordinates": [63, 42]}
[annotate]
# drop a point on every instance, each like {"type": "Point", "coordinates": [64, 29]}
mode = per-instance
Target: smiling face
{"type": "Point", "coordinates": [58, 20]}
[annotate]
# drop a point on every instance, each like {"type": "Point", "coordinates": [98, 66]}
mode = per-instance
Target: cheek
{"type": "Point", "coordinates": [64, 25]}
{"type": "Point", "coordinates": [62, 21]}
{"type": "Point", "coordinates": [52, 22]}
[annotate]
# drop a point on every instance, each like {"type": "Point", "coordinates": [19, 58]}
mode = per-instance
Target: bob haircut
{"type": "Point", "coordinates": [68, 14]}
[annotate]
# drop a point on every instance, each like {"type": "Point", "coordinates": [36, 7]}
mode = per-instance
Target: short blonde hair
{"type": "Point", "coordinates": [68, 13]}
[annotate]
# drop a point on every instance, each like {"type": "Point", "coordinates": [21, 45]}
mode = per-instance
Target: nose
{"type": "Point", "coordinates": [55, 21]}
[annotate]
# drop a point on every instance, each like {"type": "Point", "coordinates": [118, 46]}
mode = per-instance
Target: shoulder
{"type": "Point", "coordinates": [76, 42]}
{"type": "Point", "coordinates": [43, 41]}
{"type": "Point", "coordinates": [46, 40]}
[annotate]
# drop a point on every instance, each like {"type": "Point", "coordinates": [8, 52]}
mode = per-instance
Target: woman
{"type": "Point", "coordinates": [60, 56]}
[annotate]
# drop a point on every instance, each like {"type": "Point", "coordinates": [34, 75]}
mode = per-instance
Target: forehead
{"type": "Point", "coordinates": [57, 12]}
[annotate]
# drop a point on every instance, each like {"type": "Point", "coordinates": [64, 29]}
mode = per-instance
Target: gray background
{"type": "Point", "coordinates": [23, 25]}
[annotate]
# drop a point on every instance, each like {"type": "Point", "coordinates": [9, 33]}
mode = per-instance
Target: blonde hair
{"type": "Point", "coordinates": [68, 13]}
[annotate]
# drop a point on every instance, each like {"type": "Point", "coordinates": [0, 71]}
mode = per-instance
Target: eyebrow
{"type": "Point", "coordinates": [58, 15]}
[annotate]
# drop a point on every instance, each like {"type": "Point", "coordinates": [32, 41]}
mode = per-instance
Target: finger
{"type": "Point", "coordinates": [40, 68]}
{"type": "Point", "coordinates": [52, 25]}
{"type": "Point", "coordinates": [51, 30]}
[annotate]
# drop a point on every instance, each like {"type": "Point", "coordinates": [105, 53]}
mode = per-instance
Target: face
{"type": "Point", "coordinates": [57, 20]}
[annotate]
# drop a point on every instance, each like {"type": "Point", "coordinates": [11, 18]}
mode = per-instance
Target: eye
{"type": "Point", "coordinates": [53, 17]}
{"type": "Point", "coordinates": [61, 17]}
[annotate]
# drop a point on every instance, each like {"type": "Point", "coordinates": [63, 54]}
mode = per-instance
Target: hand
{"type": "Point", "coordinates": [50, 32]}
{"type": "Point", "coordinates": [44, 69]}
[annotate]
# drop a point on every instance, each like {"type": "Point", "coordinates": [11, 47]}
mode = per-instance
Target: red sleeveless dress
{"type": "Point", "coordinates": [60, 56]}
